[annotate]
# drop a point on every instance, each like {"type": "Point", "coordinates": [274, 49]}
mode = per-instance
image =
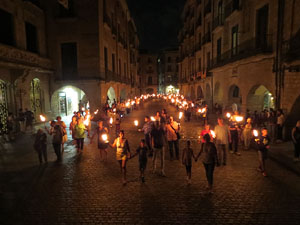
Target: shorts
{"type": "Point", "coordinates": [188, 168]}
{"type": "Point", "coordinates": [143, 164]}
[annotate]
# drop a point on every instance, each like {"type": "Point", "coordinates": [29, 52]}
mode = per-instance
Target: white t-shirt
{"type": "Point", "coordinates": [221, 134]}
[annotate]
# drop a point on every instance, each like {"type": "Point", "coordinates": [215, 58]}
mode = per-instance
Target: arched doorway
{"type": "Point", "coordinates": [3, 105]}
{"type": "Point", "coordinates": [67, 100]}
{"type": "Point", "coordinates": [234, 98]}
{"type": "Point", "coordinates": [199, 92]}
{"type": "Point", "coordinates": [149, 91]}
{"type": "Point", "coordinates": [111, 96]}
{"type": "Point", "coordinates": [217, 92]}
{"type": "Point", "coordinates": [193, 93]}
{"type": "Point", "coordinates": [259, 98]}
{"type": "Point", "coordinates": [123, 95]}
{"type": "Point", "coordinates": [36, 97]}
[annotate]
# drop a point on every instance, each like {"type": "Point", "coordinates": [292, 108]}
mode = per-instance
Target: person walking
{"type": "Point", "coordinates": [57, 134]}
{"type": "Point", "coordinates": [122, 153]}
{"type": "Point", "coordinates": [222, 133]}
{"type": "Point", "coordinates": [263, 146]}
{"type": "Point", "coordinates": [172, 128]}
{"type": "Point", "coordinates": [142, 152]}
{"type": "Point", "coordinates": [234, 133]}
{"type": "Point", "coordinates": [147, 128]}
{"type": "Point", "coordinates": [210, 159]}
{"type": "Point", "coordinates": [158, 135]}
{"type": "Point", "coordinates": [29, 117]}
{"type": "Point", "coordinates": [72, 126]}
{"type": "Point", "coordinates": [21, 118]}
{"type": "Point", "coordinates": [102, 133]}
{"type": "Point", "coordinates": [187, 155]}
{"type": "Point", "coordinates": [80, 133]}
{"type": "Point", "coordinates": [65, 136]}
{"type": "Point", "coordinates": [247, 134]}
{"type": "Point", "coordinates": [296, 141]}
{"type": "Point", "coordinates": [40, 145]}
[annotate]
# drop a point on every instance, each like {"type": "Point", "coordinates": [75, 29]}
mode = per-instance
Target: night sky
{"type": "Point", "coordinates": [157, 21]}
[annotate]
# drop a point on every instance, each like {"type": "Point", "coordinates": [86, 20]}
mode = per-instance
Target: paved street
{"type": "Point", "coordinates": [84, 190]}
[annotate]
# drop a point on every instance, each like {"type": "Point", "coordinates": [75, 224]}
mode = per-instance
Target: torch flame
{"type": "Point", "coordinates": [42, 118]}
{"type": "Point", "coordinates": [255, 133]}
{"type": "Point", "coordinates": [96, 112]}
{"type": "Point", "coordinates": [180, 115]}
{"type": "Point", "coordinates": [239, 118]}
{"type": "Point", "coordinates": [228, 115]}
{"type": "Point", "coordinates": [136, 123]}
{"type": "Point", "coordinates": [111, 120]}
{"type": "Point", "coordinates": [152, 118]}
{"type": "Point", "coordinates": [213, 134]}
{"type": "Point", "coordinates": [104, 137]}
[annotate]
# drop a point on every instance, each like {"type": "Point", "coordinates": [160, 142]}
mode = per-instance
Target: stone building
{"type": "Point", "coordinates": [242, 52]}
{"type": "Point", "coordinates": [148, 72]}
{"type": "Point", "coordinates": [53, 57]}
{"type": "Point", "coordinates": [168, 63]}
{"type": "Point", "coordinates": [25, 68]}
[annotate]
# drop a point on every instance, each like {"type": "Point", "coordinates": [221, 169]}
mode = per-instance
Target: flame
{"type": "Point", "coordinates": [152, 118]}
{"type": "Point", "coordinates": [255, 133]}
{"type": "Point", "coordinates": [96, 112]}
{"type": "Point", "coordinates": [180, 115]}
{"type": "Point", "coordinates": [239, 118]}
{"type": "Point", "coordinates": [228, 115]}
{"type": "Point", "coordinates": [136, 123]}
{"type": "Point", "coordinates": [172, 100]}
{"type": "Point", "coordinates": [42, 118]}
{"type": "Point", "coordinates": [104, 137]}
{"type": "Point", "coordinates": [82, 109]}
{"type": "Point", "coordinates": [111, 120]}
{"type": "Point", "coordinates": [213, 134]}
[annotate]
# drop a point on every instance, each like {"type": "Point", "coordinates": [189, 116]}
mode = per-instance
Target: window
{"type": "Point", "coordinates": [149, 80]}
{"type": "Point", "coordinates": [67, 12]}
{"type": "Point", "coordinates": [234, 45]}
{"type": "Point", "coordinates": [169, 68]}
{"type": "Point", "coordinates": [220, 12]}
{"type": "Point", "coordinates": [199, 64]}
{"type": "Point", "coordinates": [105, 59]}
{"type": "Point", "coordinates": [113, 62]}
{"type": "Point", "coordinates": [262, 26]}
{"type": "Point", "coordinates": [200, 36]}
{"type": "Point", "coordinates": [31, 38]}
{"type": "Point", "coordinates": [219, 49]}
{"type": "Point", "coordinates": [208, 60]}
{"type": "Point", "coordinates": [169, 59]}
{"type": "Point", "coordinates": [7, 28]}
{"type": "Point", "coordinates": [236, 92]}
{"type": "Point", "coordinates": [69, 60]}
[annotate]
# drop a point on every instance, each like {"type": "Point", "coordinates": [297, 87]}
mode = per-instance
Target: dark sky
{"type": "Point", "coordinates": [157, 21]}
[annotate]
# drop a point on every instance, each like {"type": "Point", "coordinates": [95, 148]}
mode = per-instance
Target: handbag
{"type": "Point", "coordinates": [177, 133]}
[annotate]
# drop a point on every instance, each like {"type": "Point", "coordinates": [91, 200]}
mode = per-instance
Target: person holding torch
{"type": "Point", "coordinates": [102, 133]}
{"type": "Point", "coordinates": [263, 143]}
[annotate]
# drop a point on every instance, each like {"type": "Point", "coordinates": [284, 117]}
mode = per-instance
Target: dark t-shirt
{"type": "Point", "coordinates": [142, 153]}
{"type": "Point", "coordinates": [158, 137]}
{"type": "Point", "coordinates": [263, 142]}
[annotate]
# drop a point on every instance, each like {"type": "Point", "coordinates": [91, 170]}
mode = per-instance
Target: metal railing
{"type": "Point", "coordinates": [246, 49]}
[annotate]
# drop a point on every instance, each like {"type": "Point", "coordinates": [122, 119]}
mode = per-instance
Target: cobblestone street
{"type": "Point", "coordinates": [84, 190]}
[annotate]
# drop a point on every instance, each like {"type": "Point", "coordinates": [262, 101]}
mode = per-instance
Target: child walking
{"type": "Point", "coordinates": [40, 145]}
{"type": "Point", "coordinates": [263, 145]}
{"type": "Point", "coordinates": [187, 156]}
{"type": "Point", "coordinates": [142, 152]}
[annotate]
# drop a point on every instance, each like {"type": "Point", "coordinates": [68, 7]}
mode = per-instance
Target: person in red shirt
{"type": "Point", "coordinates": [205, 131]}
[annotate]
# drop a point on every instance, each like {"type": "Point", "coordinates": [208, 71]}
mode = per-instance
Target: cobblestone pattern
{"type": "Point", "coordinates": [84, 190]}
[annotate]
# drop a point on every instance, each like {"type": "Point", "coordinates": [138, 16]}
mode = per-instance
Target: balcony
{"type": "Point", "coordinates": [207, 8]}
{"type": "Point", "coordinates": [247, 49]}
{"type": "Point", "coordinates": [206, 38]}
{"type": "Point", "coordinates": [12, 55]}
{"type": "Point", "coordinates": [218, 21]}
{"type": "Point", "coordinates": [113, 76]}
{"type": "Point", "coordinates": [232, 6]}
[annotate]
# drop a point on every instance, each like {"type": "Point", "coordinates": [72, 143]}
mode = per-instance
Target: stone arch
{"type": "Point", "coordinates": [292, 118]}
{"type": "Point", "coordinates": [207, 92]}
{"type": "Point", "coordinates": [193, 93]}
{"type": "Point", "coordinates": [199, 92]}
{"type": "Point", "coordinates": [259, 98]}
{"type": "Point", "coordinates": [67, 99]}
{"type": "Point", "coordinates": [111, 95]}
{"type": "Point", "coordinates": [234, 97]}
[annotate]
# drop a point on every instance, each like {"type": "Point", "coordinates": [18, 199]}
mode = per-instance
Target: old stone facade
{"type": "Point", "coordinates": [52, 57]}
{"type": "Point", "coordinates": [243, 52]}
{"type": "Point", "coordinates": [148, 72]}
{"type": "Point", "coordinates": [169, 70]}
